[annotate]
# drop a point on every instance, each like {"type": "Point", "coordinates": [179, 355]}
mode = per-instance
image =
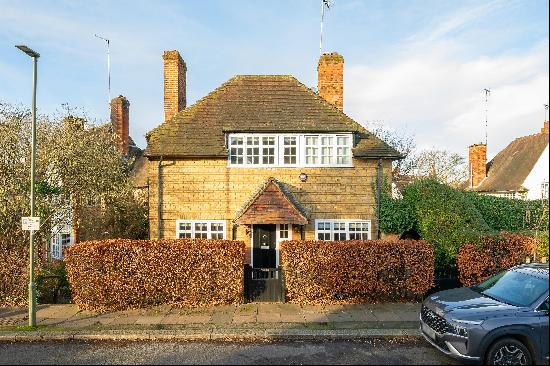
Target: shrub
{"type": "Point", "coordinates": [318, 272]}
{"type": "Point", "coordinates": [120, 274]}
{"type": "Point", "coordinates": [542, 244]}
{"type": "Point", "coordinates": [14, 275]}
{"type": "Point", "coordinates": [476, 262]}
{"type": "Point", "coordinates": [504, 214]}
{"type": "Point", "coordinates": [396, 216]}
{"type": "Point", "coordinates": [445, 218]}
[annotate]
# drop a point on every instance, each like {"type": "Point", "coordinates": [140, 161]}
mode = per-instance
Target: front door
{"type": "Point", "coordinates": [264, 250]}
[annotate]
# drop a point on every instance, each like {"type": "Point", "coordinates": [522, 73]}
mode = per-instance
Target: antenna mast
{"type": "Point", "coordinates": [108, 67]}
{"type": "Point", "coordinates": [487, 93]}
{"type": "Point", "coordinates": [328, 4]}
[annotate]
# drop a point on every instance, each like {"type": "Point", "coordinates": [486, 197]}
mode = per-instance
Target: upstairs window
{"type": "Point", "coordinates": [292, 150]}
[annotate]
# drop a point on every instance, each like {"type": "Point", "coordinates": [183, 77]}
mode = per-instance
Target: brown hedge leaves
{"type": "Point", "coordinates": [120, 274]}
{"type": "Point", "coordinates": [321, 272]}
{"type": "Point", "coordinates": [478, 262]}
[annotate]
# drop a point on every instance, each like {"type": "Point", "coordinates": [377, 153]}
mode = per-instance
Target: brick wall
{"type": "Point", "coordinates": [207, 189]}
{"type": "Point", "coordinates": [330, 82]}
{"type": "Point", "coordinates": [175, 99]}
{"type": "Point", "coordinates": [477, 163]}
{"type": "Point", "coordinates": [120, 119]}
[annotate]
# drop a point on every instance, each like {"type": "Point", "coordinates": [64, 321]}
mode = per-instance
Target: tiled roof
{"type": "Point", "coordinates": [510, 167]}
{"type": "Point", "coordinates": [255, 103]}
{"type": "Point", "coordinates": [271, 204]}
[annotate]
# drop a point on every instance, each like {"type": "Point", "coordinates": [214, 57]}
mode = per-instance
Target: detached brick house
{"type": "Point", "coordinates": [262, 158]}
{"type": "Point", "coordinates": [519, 171]}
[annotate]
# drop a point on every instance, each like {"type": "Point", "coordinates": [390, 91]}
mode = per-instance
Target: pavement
{"type": "Point", "coordinates": [253, 321]}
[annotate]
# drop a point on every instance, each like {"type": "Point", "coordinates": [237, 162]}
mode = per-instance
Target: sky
{"type": "Point", "coordinates": [417, 67]}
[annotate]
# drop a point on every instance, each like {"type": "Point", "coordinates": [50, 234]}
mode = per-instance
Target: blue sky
{"type": "Point", "coordinates": [415, 66]}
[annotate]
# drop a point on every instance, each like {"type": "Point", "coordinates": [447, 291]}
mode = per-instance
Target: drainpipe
{"type": "Point", "coordinates": [378, 193]}
{"type": "Point", "coordinates": [159, 199]}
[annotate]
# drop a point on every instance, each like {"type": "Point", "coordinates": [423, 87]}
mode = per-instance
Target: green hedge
{"type": "Point", "coordinates": [449, 218]}
{"type": "Point", "coordinates": [511, 214]}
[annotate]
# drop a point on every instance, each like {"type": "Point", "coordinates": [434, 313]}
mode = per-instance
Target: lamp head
{"type": "Point", "coordinates": [28, 51]}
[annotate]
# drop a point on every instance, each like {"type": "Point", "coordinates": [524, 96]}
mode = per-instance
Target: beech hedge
{"type": "Point", "coordinates": [325, 272]}
{"type": "Point", "coordinates": [120, 274]}
{"type": "Point", "coordinates": [477, 262]}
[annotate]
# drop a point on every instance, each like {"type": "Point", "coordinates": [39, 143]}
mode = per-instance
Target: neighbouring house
{"type": "Point", "coordinates": [67, 232]}
{"type": "Point", "coordinates": [519, 171]}
{"type": "Point", "coordinates": [263, 158]}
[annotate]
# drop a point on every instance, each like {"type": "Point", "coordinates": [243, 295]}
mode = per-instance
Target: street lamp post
{"type": "Point", "coordinates": [32, 288]}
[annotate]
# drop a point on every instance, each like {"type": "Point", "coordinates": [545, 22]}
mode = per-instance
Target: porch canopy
{"type": "Point", "coordinates": [271, 204]}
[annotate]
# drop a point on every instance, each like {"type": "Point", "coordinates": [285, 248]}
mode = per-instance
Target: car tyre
{"type": "Point", "coordinates": [508, 351]}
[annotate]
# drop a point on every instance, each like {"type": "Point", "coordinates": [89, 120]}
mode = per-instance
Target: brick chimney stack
{"type": "Point", "coordinates": [120, 119]}
{"type": "Point", "coordinates": [174, 84]}
{"type": "Point", "coordinates": [545, 128]}
{"type": "Point", "coordinates": [477, 156]}
{"type": "Point", "coordinates": [330, 81]}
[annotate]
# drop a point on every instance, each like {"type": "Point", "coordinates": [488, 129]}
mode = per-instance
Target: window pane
{"type": "Point", "coordinates": [311, 140]}
{"type": "Point", "coordinates": [289, 151]}
{"type": "Point", "coordinates": [268, 155]}
{"type": "Point", "coordinates": [326, 155]}
{"type": "Point", "coordinates": [283, 232]}
{"type": "Point", "coordinates": [237, 155]}
{"type": "Point", "coordinates": [236, 141]}
{"type": "Point", "coordinates": [311, 155]}
{"type": "Point", "coordinates": [253, 155]}
{"type": "Point", "coordinates": [342, 140]}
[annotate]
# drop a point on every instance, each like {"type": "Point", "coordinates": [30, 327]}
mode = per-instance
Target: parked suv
{"type": "Point", "coordinates": [501, 321]}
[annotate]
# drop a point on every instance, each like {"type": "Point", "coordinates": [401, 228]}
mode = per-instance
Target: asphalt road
{"type": "Point", "coordinates": [379, 352]}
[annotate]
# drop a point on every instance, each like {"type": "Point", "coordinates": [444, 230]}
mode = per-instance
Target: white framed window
{"type": "Point", "coordinates": [200, 229]}
{"type": "Point", "coordinates": [283, 232]}
{"type": "Point", "coordinates": [544, 190]}
{"type": "Point", "coordinates": [292, 150]}
{"type": "Point", "coordinates": [60, 240]}
{"type": "Point", "coordinates": [342, 229]}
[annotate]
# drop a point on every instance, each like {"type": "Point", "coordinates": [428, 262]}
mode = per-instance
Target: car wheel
{"type": "Point", "coordinates": [508, 351]}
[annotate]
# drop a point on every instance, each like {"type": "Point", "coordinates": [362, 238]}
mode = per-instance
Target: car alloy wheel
{"type": "Point", "coordinates": [509, 355]}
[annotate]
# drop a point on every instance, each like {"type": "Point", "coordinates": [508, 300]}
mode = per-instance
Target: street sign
{"type": "Point", "coordinates": [30, 223]}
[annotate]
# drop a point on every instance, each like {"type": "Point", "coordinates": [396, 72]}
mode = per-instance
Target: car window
{"type": "Point", "coordinates": [513, 287]}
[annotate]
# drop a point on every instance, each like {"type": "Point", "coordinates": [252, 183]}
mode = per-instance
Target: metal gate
{"type": "Point", "coordinates": [263, 284]}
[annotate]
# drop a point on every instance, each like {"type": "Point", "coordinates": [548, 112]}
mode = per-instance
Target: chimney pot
{"type": "Point", "coordinates": [175, 99]}
{"type": "Point", "coordinates": [330, 79]}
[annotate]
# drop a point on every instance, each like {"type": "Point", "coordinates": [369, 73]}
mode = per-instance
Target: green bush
{"type": "Point", "coordinates": [541, 238]}
{"type": "Point", "coordinates": [445, 218]}
{"type": "Point", "coordinates": [396, 216]}
{"type": "Point", "coordinates": [510, 214]}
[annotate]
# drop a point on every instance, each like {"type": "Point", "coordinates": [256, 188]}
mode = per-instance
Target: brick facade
{"type": "Point", "coordinates": [544, 129]}
{"type": "Point", "coordinates": [477, 157]}
{"type": "Point", "coordinates": [120, 117]}
{"type": "Point", "coordinates": [194, 189]}
{"type": "Point", "coordinates": [175, 99]}
{"type": "Point", "coordinates": [330, 82]}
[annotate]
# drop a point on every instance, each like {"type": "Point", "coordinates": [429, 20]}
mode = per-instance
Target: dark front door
{"type": "Point", "coordinates": [264, 252]}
